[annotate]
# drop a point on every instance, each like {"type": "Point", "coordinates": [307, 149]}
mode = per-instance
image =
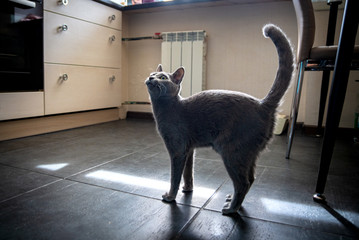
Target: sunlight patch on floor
{"type": "Point", "coordinates": [290, 208]}
{"type": "Point", "coordinates": [303, 211]}
{"type": "Point", "coordinates": [52, 167]}
{"type": "Point", "coordinates": [142, 182]}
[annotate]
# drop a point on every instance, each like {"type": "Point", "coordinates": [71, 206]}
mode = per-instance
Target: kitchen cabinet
{"type": "Point", "coordinates": [87, 10]}
{"type": "Point", "coordinates": [82, 60]}
{"type": "Point", "coordinates": [72, 88]}
{"type": "Point", "coordinates": [21, 104]}
{"type": "Point", "coordinates": [82, 55]}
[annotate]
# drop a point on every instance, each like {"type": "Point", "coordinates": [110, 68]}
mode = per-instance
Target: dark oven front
{"type": "Point", "coordinates": [21, 46]}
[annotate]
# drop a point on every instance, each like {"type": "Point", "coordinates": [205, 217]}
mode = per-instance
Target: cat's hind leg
{"type": "Point", "coordinates": [251, 180]}
{"type": "Point", "coordinates": [238, 171]}
{"type": "Point", "coordinates": [188, 172]}
{"type": "Point", "coordinates": [233, 202]}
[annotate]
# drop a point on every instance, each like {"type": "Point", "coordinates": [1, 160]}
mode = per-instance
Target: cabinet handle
{"type": "Point", "coordinates": [64, 77]}
{"type": "Point", "coordinates": [112, 18]}
{"type": "Point", "coordinates": [63, 2]}
{"type": "Point", "coordinates": [113, 78]}
{"type": "Point", "coordinates": [64, 27]}
{"type": "Point", "coordinates": [112, 38]}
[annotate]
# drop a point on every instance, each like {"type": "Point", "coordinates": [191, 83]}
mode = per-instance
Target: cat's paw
{"type": "Point", "coordinates": [228, 198]}
{"type": "Point", "coordinates": [186, 188]}
{"type": "Point", "coordinates": [168, 198]}
{"type": "Point", "coordinates": [227, 210]}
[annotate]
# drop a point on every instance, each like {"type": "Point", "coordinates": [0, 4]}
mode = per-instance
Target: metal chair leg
{"type": "Point", "coordinates": [323, 100]}
{"type": "Point", "coordinates": [295, 108]}
{"type": "Point", "coordinates": [326, 73]}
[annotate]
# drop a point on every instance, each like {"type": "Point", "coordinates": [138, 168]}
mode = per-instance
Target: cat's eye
{"type": "Point", "coordinates": [163, 77]}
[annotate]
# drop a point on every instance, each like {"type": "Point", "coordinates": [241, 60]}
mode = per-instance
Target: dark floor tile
{"type": "Point", "coordinates": [212, 225]}
{"type": "Point", "coordinates": [67, 210]}
{"type": "Point", "coordinates": [299, 161]}
{"type": "Point", "coordinates": [207, 153]}
{"type": "Point", "coordinates": [16, 181]}
{"type": "Point", "coordinates": [287, 180]}
{"type": "Point", "coordinates": [286, 207]}
{"type": "Point", "coordinates": [42, 141]}
{"type": "Point", "coordinates": [218, 200]}
{"type": "Point", "coordinates": [147, 173]}
{"type": "Point", "coordinates": [342, 195]}
{"type": "Point", "coordinates": [68, 158]}
{"type": "Point", "coordinates": [68, 152]}
{"type": "Point", "coordinates": [116, 173]}
{"type": "Point", "coordinates": [345, 161]}
{"type": "Point", "coordinates": [209, 225]}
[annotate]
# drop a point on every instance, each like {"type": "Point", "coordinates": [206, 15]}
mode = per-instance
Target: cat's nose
{"type": "Point", "coordinates": [148, 80]}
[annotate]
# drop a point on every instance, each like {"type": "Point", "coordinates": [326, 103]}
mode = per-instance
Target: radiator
{"type": "Point", "coordinates": [187, 49]}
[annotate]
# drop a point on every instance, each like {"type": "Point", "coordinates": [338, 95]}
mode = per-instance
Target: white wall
{"type": "Point", "coordinates": [238, 56]}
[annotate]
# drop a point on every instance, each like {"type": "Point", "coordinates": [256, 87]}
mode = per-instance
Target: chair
{"type": "Point", "coordinates": [309, 58]}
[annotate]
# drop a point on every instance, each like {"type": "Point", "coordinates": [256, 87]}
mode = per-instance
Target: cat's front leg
{"type": "Point", "coordinates": [177, 165]}
{"type": "Point", "coordinates": [168, 197]}
{"type": "Point", "coordinates": [188, 173]}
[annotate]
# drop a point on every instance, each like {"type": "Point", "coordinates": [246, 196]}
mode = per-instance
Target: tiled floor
{"type": "Point", "coordinates": [106, 181]}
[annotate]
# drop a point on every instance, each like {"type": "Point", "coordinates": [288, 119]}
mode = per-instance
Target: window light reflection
{"type": "Point", "coordinates": [299, 210]}
{"type": "Point", "coordinates": [287, 208]}
{"type": "Point", "coordinates": [53, 167]}
{"type": "Point", "coordinates": [142, 182]}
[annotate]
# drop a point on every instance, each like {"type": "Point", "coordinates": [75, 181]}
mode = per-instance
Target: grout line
{"type": "Point", "coordinates": [67, 177]}
{"type": "Point", "coordinates": [113, 189]}
{"type": "Point", "coordinates": [258, 179]}
{"type": "Point", "coordinates": [132, 193]}
{"type": "Point", "coordinates": [32, 171]}
{"type": "Point", "coordinates": [209, 159]}
{"type": "Point", "coordinates": [289, 169]}
{"type": "Point", "coordinates": [112, 160]}
{"type": "Point", "coordinates": [190, 221]}
{"type": "Point", "coordinates": [274, 222]}
{"type": "Point", "coordinates": [29, 191]}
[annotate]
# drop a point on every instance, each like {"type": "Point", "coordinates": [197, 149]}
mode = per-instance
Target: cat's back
{"type": "Point", "coordinates": [220, 98]}
{"type": "Point", "coordinates": [217, 105]}
{"type": "Point", "coordinates": [213, 113]}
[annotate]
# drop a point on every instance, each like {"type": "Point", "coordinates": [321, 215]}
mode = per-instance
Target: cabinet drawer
{"type": "Point", "coordinates": [21, 105]}
{"type": "Point", "coordinates": [85, 88]}
{"type": "Point", "coordinates": [80, 42]}
{"type": "Point", "coordinates": [87, 10]}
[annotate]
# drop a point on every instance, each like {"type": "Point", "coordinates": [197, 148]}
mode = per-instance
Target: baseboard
{"type": "Point", "coordinates": [140, 115]}
{"type": "Point", "coordinates": [313, 131]}
{"type": "Point", "coordinates": [33, 126]}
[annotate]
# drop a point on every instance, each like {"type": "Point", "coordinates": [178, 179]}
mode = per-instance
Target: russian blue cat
{"type": "Point", "coordinates": [236, 125]}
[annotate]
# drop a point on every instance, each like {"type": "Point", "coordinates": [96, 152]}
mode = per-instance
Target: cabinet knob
{"type": "Point", "coordinates": [64, 77]}
{"type": "Point", "coordinates": [112, 18]}
{"type": "Point", "coordinates": [112, 38]}
{"type": "Point", "coordinates": [113, 78]}
{"type": "Point", "coordinates": [64, 27]}
{"type": "Point", "coordinates": [63, 2]}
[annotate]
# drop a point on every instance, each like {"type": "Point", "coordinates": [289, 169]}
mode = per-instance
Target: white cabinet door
{"type": "Point", "coordinates": [21, 104]}
{"type": "Point", "coordinates": [87, 10]}
{"type": "Point", "coordinates": [71, 41]}
{"type": "Point", "coordinates": [82, 88]}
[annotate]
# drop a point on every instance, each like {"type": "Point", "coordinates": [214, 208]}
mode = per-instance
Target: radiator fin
{"type": "Point", "coordinates": [187, 49]}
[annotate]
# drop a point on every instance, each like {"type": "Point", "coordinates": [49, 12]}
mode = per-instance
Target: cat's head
{"type": "Point", "coordinates": [162, 84]}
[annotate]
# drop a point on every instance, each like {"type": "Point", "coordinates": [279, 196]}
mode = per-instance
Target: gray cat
{"type": "Point", "coordinates": [237, 126]}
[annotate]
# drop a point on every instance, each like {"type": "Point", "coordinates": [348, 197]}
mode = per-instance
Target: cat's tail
{"type": "Point", "coordinates": [285, 69]}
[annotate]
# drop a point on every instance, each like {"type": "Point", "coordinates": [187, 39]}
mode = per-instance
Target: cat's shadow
{"type": "Point", "coordinates": [180, 215]}
{"type": "Point", "coordinates": [187, 198]}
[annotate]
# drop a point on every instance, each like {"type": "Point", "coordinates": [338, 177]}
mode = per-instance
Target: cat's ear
{"type": "Point", "coordinates": [177, 76]}
{"type": "Point", "coordinates": [159, 68]}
